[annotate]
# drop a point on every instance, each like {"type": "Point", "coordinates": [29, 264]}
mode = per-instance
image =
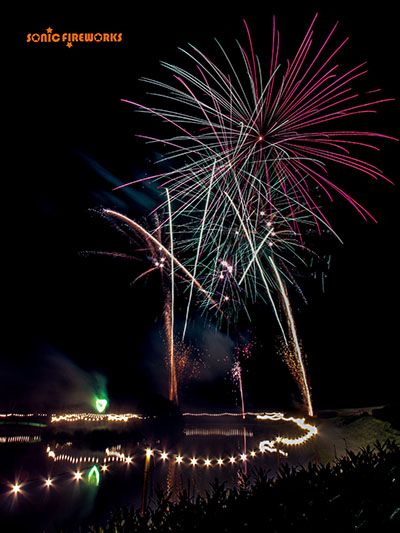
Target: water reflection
{"type": "Point", "coordinates": [222, 431]}
{"type": "Point", "coordinates": [41, 471]}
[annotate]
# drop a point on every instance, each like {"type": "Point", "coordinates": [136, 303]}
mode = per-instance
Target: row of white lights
{"type": "Point", "coordinates": [265, 446]}
{"type": "Point", "coordinates": [17, 487]}
{"type": "Point", "coordinates": [113, 456]}
{"type": "Point", "coordinates": [21, 415]}
{"type": "Point", "coordinates": [94, 417]}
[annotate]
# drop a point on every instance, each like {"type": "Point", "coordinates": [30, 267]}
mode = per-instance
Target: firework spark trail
{"type": "Point", "coordinates": [198, 248]}
{"type": "Point", "coordinates": [262, 144]}
{"type": "Point", "coordinates": [148, 235]}
{"type": "Point", "coordinates": [302, 375]}
{"type": "Point", "coordinates": [173, 385]}
{"type": "Point", "coordinates": [257, 262]}
{"type": "Point", "coordinates": [254, 256]}
{"type": "Point", "coordinates": [304, 387]}
{"type": "Point", "coordinates": [272, 124]}
{"type": "Point", "coordinates": [237, 376]}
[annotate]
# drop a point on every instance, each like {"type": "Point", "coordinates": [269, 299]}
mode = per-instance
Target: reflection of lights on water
{"type": "Point", "coordinates": [210, 431]}
{"type": "Point", "coordinates": [276, 445]}
{"type": "Point", "coordinates": [20, 438]}
{"type": "Point", "coordinates": [265, 446]}
{"type": "Point", "coordinates": [270, 445]}
{"type": "Point", "coordinates": [149, 453]}
{"type": "Point", "coordinates": [93, 476]}
{"type": "Point", "coordinates": [115, 454]}
{"type": "Point", "coordinates": [22, 415]}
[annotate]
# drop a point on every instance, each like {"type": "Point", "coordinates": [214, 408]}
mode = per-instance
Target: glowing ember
{"type": "Point", "coordinates": [101, 405]}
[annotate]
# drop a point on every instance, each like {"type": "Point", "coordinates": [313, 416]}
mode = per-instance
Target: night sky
{"type": "Point", "coordinates": [64, 114]}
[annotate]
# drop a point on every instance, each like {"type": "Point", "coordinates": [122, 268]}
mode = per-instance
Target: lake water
{"type": "Point", "coordinates": [122, 473]}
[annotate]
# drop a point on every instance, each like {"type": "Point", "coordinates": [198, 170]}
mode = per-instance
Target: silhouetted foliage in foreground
{"type": "Point", "coordinates": [358, 492]}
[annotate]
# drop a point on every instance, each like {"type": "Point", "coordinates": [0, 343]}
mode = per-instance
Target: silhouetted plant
{"type": "Point", "coordinates": [357, 492]}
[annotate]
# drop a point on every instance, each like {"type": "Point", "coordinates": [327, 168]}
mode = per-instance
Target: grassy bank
{"type": "Point", "coordinates": [357, 492]}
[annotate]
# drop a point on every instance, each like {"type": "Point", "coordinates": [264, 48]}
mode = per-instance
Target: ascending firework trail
{"type": "Point", "coordinates": [248, 165]}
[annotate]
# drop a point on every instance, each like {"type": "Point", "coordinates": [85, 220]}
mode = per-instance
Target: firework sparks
{"type": "Point", "coordinates": [173, 387]}
{"type": "Point", "coordinates": [155, 246]}
{"type": "Point", "coordinates": [301, 374]}
{"type": "Point", "coordinates": [237, 376]}
{"type": "Point", "coordinates": [250, 157]}
{"type": "Point", "coordinates": [137, 227]}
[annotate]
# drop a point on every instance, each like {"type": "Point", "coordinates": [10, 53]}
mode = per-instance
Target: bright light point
{"type": "Point", "coordinates": [78, 476]}
{"type": "Point", "coordinates": [262, 213]}
{"type": "Point", "coordinates": [260, 138]}
{"type": "Point", "coordinates": [149, 453]}
{"type": "Point", "coordinates": [101, 405]}
{"type": "Point", "coordinates": [269, 224]}
{"type": "Point", "coordinates": [179, 459]}
{"type": "Point", "coordinates": [193, 461]}
{"type": "Point", "coordinates": [48, 483]}
{"type": "Point", "coordinates": [16, 488]}
{"type": "Point", "coordinates": [226, 298]}
{"type": "Point", "coordinates": [93, 476]}
{"type": "Point", "coordinates": [253, 453]}
{"type": "Point", "coordinates": [270, 244]}
{"type": "Point", "coordinates": [104, 468]}
{"type": "Point", "coordinates": [243, 457]}
{"type": "Point", "coordinates": [232, 460]}
{"type": "Point", "coordinates": [207, 462]}
{"type": "Point", "coordinates": [220, 462]}
{"type": "Point", "coordinates": [128, 460]}
{"type": "Point", "coordinates": [164, 456]}
{"type": "Point", "coordinates": [221, 276]}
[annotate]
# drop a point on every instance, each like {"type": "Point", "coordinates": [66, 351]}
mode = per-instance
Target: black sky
{"type": "Point", "coordinates": [63, 107]}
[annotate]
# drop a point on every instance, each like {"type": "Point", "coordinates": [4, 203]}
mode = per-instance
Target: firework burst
{"type": "Point", "coordinates": [249, 158]}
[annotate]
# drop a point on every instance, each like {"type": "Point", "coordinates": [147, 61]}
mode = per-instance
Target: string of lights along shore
{"type": "Point", "coordinates": [92, 473]}
{"type": "Point", "coordinates": [90, 466]}
{"type": "Point", "coordinates": [255, 143]}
